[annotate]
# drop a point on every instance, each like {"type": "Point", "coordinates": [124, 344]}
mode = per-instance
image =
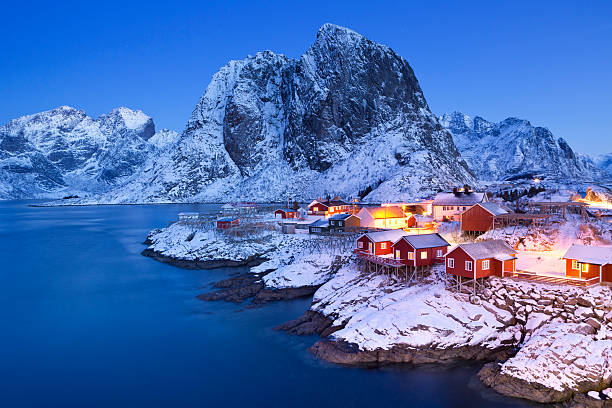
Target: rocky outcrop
{"type": "Point", "coordinates": [515, 150]}
{"type": "Point", "coordinates": [252, 260]}
{"type": "Point", "coordinates": [349, 116]}
{"type": "Point", "coordinates": [558, 361]}
{"type": "Point", "coordinates": [341, 352]}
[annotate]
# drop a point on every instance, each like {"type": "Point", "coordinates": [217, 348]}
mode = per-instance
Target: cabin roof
{"type": "Point", "coordinates": [228, 219]}
{"type": "Point", "coordinates": [383, 236]}
{"type": "Point", "coordinates": [492, 248]}
{"type": "Point", "coordinates": [492, 208]}
{"type": "Point", "coordinates": [424, 241]}
{"type": "Point", "coordinates": [341, 216]}
{"type": "Point", "coordinates": [385, 212]}
{"type": "Point", "coordinates": [287, 209]}
{"type": "Point", "coordinates": [590, 254]}
{"type": "Point", "coordinates": [320, 223]}
{"type": "Point", "coordinates": [459, 198]}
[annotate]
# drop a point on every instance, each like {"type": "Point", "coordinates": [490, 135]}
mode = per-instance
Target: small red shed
{"type": "Point", "coordinates": [378, 243]}
{"type": "Point", "coordinates": [481, 259]}
{"type": "Point", "coordinates": [286, 213]}
{"type": "Point", "coordinates": [420, 250]}
{"type": "Point", "coordinates": [588, 262]}
{"type": "Point", "coordinates": [480, 216]}
{"type": "Point", "coordinates": [227, 222]}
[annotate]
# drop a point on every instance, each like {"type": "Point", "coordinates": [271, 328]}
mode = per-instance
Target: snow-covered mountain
{"type": "Point", "coordinates": [604, 162]}
{"type": "Point", "coordinates": [64, 151]}
{"type": "Point", "coordinates": [349, 116]}
{"type": "Point", "coordinates": [514, 149]}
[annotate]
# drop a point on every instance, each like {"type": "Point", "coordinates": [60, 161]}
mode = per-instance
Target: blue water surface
{"type": "Point", "coordinates": [86, 321]}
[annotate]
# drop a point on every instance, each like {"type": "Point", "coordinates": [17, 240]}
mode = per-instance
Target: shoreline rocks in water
{"type": "Point", "coordinates": [202, 264]}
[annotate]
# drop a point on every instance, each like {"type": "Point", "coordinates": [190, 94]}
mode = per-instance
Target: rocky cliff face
{"type": "Point", "coordinates": [64, 151]}
{"type": "Point", "coordinates": [349, 116]}
{"type": "Point", "coordinates": [513, 149]}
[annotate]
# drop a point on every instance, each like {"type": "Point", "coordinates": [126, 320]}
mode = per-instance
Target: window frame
{"type": "Point", "coordinates": [450, 262]}
{"type": "Point", "coordinates": [575, 265]}
{"type": "Point", "coordinates": [469, 266]}
{"type": "Point", "coordinates": [486, 264]}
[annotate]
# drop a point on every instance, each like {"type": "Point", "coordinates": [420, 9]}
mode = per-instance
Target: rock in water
{"type": "Point", "coordinates": [349, 116]}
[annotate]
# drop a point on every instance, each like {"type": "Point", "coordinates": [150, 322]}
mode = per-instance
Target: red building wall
{"type": "Point", "coordinates": [404, 247]}
{"type": "Point", "coordinates": [606, 273]}
{"type": "Point", "coordinates": [476, 218]}
{"type": "Point", "coordinates": [377, 246]}
{"type": "Point", "coordinates": [460, 256]}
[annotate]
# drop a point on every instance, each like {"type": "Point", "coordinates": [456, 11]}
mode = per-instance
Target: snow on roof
{"type": "Point", "coordinates": [287, 209]}
{"type": "Point", "coordinates": [320, 223]}
{"type": "Point", "coordinates": [493, 208]}
{"type": "Point", "coordinates": [423, 218]}
{"type": "Point", "coordinates": [383, 236]}
{"type": "Point", "coordinates": [385, 212]}
{"type": "Point", "coordinates": [591, 254]}
{"type": "Point", "coordinates": [493, 248]}
{"type": "Point", "coordinates": [341, 216]}
{"type": "Point", "coordinates": [460, 198]}
{"type": "Point", "coordinates": [188, 214]}
{"type": "Point", "coordinates": [425, 241]}
{"type": "Point", "coordinates": [227, 219]}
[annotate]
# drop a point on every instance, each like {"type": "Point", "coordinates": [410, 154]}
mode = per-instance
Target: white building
{"type": "Point", "coordinates": [449, 206]}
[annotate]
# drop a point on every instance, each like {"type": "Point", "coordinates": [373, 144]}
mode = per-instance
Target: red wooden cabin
{"type": "Point", "coordinates": [480, 216]}
{"type": "Point", "coordinates": [481, 259]}
{"type": "Point", "coordinates": [588, 262]}
{"type": "Point", "coordinates": [378, 243]}
{"type": "Point", "coordinates": [227, 222]}
{"type": "Point", "coordinates": [324, 207]}
{"type": "Point", "coordinates": [420, 250]}
{"type": "Point", "coordinates": [286, 213]}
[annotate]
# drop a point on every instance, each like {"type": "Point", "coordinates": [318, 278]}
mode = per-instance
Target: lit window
{"type": "Point", "coordinates": [397, 254]}
{"type": "Point", "coordinates": [424, 255]}
{"type": "Point", "coordinates": [574, 264]}
{"type": "Point", "coordinates": [450, 262]}
{"type": "Point", "coordinates": [411, 255]}
{"type": "Point", "coordinates": [468, 265]}
{"type": "Point", "coordinates": [485, 265]}
{"type": "Point", "coordinates": [360, 244]}
{"type": "Point", "coordinates": [439, 253]}
{"type": "Point", "coordinates": [383, 245]}
{"type": "Point", "coordinates": [584, 267]}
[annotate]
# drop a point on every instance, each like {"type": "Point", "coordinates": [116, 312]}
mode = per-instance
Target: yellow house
{"type": "Point", "coordinates": [391, 217]}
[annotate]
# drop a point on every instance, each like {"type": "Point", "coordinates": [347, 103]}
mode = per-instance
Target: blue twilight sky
{"type": "Point", "coordinates": [548, 62]}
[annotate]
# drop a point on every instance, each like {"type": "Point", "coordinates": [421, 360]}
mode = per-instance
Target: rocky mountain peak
{"type": "Point", "coordinates": [514, 149]}
{"type": "Point", "coordinates": [348, 117]}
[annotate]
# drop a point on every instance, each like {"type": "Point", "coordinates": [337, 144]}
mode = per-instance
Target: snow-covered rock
{"type": "Point", "coordinates": [560, 359]}
{"type": "Point", "coordinates": [514, 149]}
{"type": "Point", "coordinates": [349, 117]}
{"type": "Point", "coordinates": [390, 322]}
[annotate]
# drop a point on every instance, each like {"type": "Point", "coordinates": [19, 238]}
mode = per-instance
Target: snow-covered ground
{"type": "Point", "coordinates": [378, 314]}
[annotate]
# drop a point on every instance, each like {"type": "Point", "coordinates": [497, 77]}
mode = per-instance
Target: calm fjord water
{"type": "Point", "coordinates": [89, 322]}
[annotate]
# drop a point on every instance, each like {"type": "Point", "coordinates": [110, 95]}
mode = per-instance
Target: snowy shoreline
{"type": "Point", "coordinates": [516, 329]}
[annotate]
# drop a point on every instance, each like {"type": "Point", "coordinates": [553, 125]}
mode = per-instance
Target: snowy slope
{"type": "Point", "coordinates": [348, 116]}
{"type": "Point", "coordinates": [64, 151]}
{"type": "Point", "coordinates": [513, 149]}
{"type": "Point", "coordinates": [604, 162]}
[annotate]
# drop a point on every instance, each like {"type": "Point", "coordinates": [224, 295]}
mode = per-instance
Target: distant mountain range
{"type": "Point", "coordinates": [347, 118]}
{"type": "Point", "coordinates": [514, 149]}
{"type": "Point", "coordinates": [64, 151]}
